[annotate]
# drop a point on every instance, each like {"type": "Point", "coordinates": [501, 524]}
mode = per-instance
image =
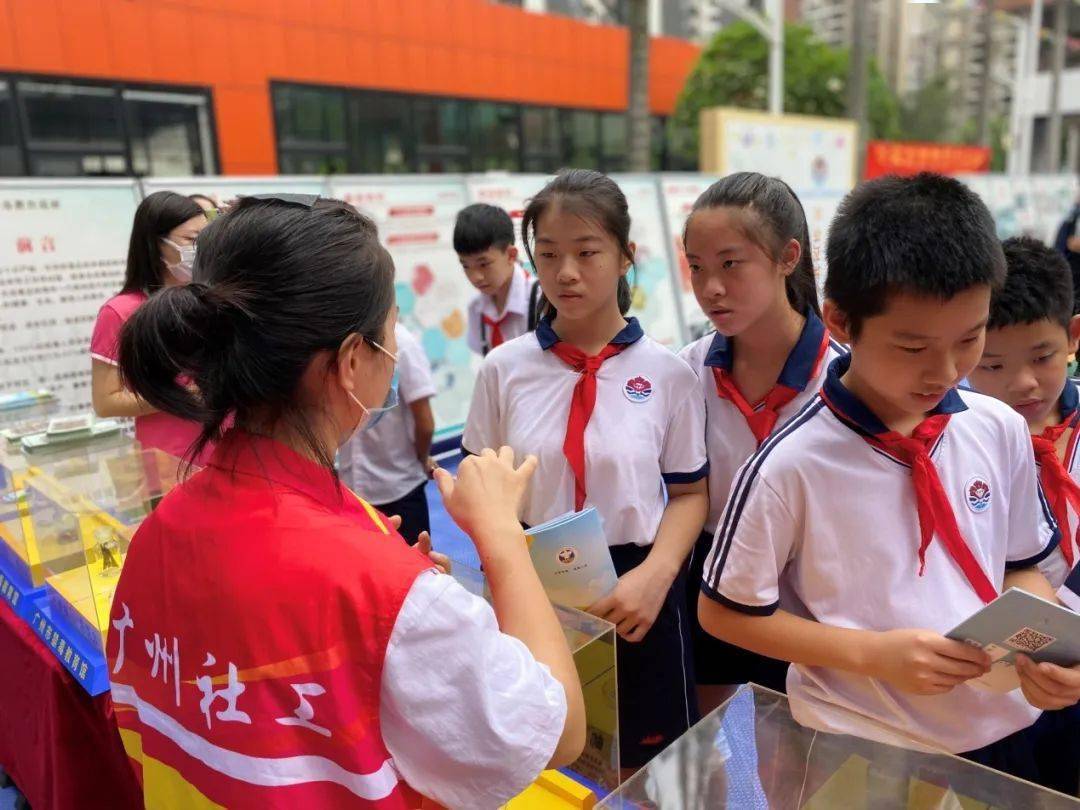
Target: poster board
{"type": "Point", "coordinates": [415, 216]}
{"type": "Point", "coordinates": [1053, 198]}
{"type": "Point", "coordinates": [63, 249]}
{"type": "Point", "coordinates": [815, 156]}
{"type": "Point", "coordinates": [678, 193]}
{"type": "Point", "coordinates": [1011, 203]}
{"type": "Point", "coordinates": [222, 189]}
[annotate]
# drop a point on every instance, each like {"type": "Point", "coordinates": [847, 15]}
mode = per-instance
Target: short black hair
{"type": "Point", "coordinates": [926, 235]}
{"type": "Point", "coordinates": [481, 226]}
{"type": "Point", "coordinates": [1038, 286]}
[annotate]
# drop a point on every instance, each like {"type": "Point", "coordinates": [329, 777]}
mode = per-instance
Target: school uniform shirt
{"type": "Point", "coordinates": [825, 524]}
{"type": "Point", "coordinates": [512, 322]}
{"type": "Point", "coordinates": [274, 643]}
{"type": "Point", "coordinates": [647, 428]}
{"type": "Point", "coordinates": [728, 436]}
{"type": "Point", "coordinates": [1064, 499]}
{"type": "Point", "coordinates": [161, 430]}
{"type": "Point", "coordinates": [383, 458]}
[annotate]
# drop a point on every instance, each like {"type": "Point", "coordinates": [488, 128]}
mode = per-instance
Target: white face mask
{"type": "Point", "coordinates": [371, 416]}
{"type": "Point", "coordinates": [182, 270]}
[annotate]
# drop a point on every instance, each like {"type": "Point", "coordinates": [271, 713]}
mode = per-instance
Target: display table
{"type": "Point", "coordinates": [750, 754]}
{"type": "Point", "coordinates": [59, 745]}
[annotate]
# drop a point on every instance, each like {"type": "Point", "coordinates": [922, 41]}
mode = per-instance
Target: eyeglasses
{"type": "Point", "coordinates": [381, 349]}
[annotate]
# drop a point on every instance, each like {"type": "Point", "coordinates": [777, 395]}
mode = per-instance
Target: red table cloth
{"type": "Point", "coordinates": [59, 745]}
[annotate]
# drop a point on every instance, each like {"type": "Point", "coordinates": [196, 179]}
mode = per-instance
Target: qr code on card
{"type": "Point", "coordinates": [1029, 640]}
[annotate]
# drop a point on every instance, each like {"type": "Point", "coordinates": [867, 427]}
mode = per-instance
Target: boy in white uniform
{"type": "Point", "coordinates": [1032, 332]}
{"type": "Point", "coordinates": [893, 507]}
{"type": "Point", "coordinates": [390, 461]}
{"type": "Point", "coordinates": [505, 306]}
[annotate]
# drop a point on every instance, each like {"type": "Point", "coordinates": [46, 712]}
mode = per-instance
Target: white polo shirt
{"type": "Point", "coordinates": [384, 463]}
{"type": "Point", "coordinates": [516, 312]}
{"type": "Point", "coordinates": [727, 436]}
{"type": "Point", "coordinates": [826, 525]}
{"type": "Point", "coordinates": [639, 437]}
{"type": "Point", "coordinates": [1055, 567]}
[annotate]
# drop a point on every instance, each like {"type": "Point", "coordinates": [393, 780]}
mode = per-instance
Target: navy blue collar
{"type": "Point", "coordinates": [852, 410]}
{"type": "Point", "coordinates": [799, 366]}
{"type": "Point", "coordinates": [1070, 399]}
{"type": "Point", "coordinates": [546, 337]}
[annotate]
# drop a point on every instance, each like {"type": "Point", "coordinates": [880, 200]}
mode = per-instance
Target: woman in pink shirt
{"type": "Point", "coordinates": [160, 254]}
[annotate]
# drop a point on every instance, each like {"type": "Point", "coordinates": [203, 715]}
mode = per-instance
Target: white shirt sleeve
{"type": "Point", "coordinates": [414, 370]}
{"type": "Point", "coordinates": [467, 713]}
{"type": "Point", "coordinates": [753, 544]}
{"type": "Point", "coordinates": [483, 426]}
{"type": "Point", "coordinates": [472, 324]}
{"type": "Point", "coordinates": [1033, 533]}
{"type": "Point", "coordinates": [683, 458]}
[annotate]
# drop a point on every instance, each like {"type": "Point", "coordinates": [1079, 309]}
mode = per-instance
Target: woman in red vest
{"type": "Point", "coordinates": [274, 642]}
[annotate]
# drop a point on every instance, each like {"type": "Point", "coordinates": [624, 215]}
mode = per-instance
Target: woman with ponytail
{"type": "Point", "coordinates": [160, 255]}
{"type": "Point", "coordinates": [748, 248]}
{"type": "Point", "coordinates": [275, 642]}
{"type": "Point", "coordinates": [616, 422]}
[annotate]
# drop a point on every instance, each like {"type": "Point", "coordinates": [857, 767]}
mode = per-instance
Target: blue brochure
{"type": "Point", "coordinates": [570, 554]}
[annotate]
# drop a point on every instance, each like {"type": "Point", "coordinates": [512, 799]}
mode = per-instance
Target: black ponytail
{"type": "Point", "coordinates": [594, 197]}
{"type": "Point", "coordinates": [780, 211]}
{"type": "Point", "coordinates": [275, 283]}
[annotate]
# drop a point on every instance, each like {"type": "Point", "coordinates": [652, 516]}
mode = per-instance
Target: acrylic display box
{"type": "Point", "coordinates": [751, 753]}
{"type": "Point", "coordinates": [21, 574]}
{"type": "Point", "coordinates": [592, 642]}
{"type": "Point", "coordinates": [84, 510]}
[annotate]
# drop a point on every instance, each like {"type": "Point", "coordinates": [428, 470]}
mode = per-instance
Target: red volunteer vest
{"type": "Point", "coordinates": [248, 634]}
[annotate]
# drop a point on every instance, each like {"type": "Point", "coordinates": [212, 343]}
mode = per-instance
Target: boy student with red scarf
{"type": "Point", "coordinates": [505, 306]}
{"type": "Point", "coordinates": [1029, 338]}
{"type": "Point", "coordinates": [942, 510]}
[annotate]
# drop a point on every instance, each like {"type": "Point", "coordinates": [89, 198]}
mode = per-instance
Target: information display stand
{"type": "Point", "coordinates": [592, 642]}
{"type": "Point", "coordinates": [84, 511]}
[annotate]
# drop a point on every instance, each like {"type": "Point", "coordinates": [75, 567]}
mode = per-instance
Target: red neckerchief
{"type": "Point", "coordinates": [762, 420]}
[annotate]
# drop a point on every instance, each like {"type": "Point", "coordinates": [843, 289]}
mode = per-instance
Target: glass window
{"type": "Point", "coordinates": [380, 133]}
{"type": "Point", "coordinates": [614, 141]}
{"type": "Point", "coordinates": [11, 162]}
{"type": "Point", "coordinates": [311, 129]}
{"type": "Point", "coordinates": [581, 139]}
{"type": "Point", "coordinates": [442, 132]}
{"type": "Point", "coordinates": [307, 116]}
{"type": "Point", "coordinates": [72, 129]}
{"type": "Point", "coordinates": [61, 115]}
{"type": "Point", "coordinates": [540, 127]}
{"type": "Point", "coordinates": [170, 133]}
{"type": "Point", "coordinates": [496, 137]}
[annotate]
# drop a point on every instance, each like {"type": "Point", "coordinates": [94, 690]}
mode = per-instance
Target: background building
{"type": "Point", "coordinates": [119, 87]}
{"type": "Point", "coordinates": [1034, 110]}
{"type": "Point", "coordinates": [914, 43]}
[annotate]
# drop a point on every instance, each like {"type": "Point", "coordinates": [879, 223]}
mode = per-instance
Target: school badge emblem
{"type": "Point", "coordinates": [978, 495]}
{"type": "Point", "coordinates": [637, 389]}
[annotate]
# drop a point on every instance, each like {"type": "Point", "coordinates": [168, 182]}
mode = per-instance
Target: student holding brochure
{"type": "Point", "coordinates": [616, 422]}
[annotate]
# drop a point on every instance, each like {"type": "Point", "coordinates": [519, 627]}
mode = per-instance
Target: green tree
{"type": "Point", "coordinates": [927, 114]}
{"type": "Point", "coordinates": [733, 71]}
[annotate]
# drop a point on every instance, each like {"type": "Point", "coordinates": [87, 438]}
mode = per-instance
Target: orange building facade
{"type": "Point", "coordinates": [234, 53]}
